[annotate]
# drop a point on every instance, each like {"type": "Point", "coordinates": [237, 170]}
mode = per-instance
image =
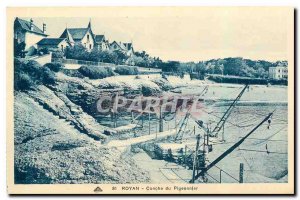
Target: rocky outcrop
{"type": "Point", "coordinates": [86, 92]}
{"type": "Point", "coordinates": [49, 149]}
{"type": "Point", "coordinates": [164, 84]}
{"type": "Point", "coordinates": [57, 103]}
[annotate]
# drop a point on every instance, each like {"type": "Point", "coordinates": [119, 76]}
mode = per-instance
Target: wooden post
{"type": "Point", "coordinates": [220, 176]}
{"type": "Point", "coordinates": [176, 122]}
{"type": "Point", "coordinates": [142, 120]}
{"type": "Point", "coordinates": [114, 119]}
{"type": "Point", "coordinates": [149, 123]}
{"type": "Point", "coordinates": [223, 137]}
{"type": "Point", "coordinates": [194, 130]}
{"type": "Point", "coordinates": [204, 142]}
{"type": "Point", "coordinates": [241, 172]}
{"type": "Point", "coordinates": [132, 117]}
{"type": "Point", "coordinates": [195, 158]}
{"type": "Point", "coordinates": [161, 123]}
{"type": "Point", "coordinates": [185, 151]}
{"type": "Point", "coordinates": [207, 140]}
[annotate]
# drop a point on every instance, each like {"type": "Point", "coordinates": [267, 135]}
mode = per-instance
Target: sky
{"type": "Point", "coordinates": [192, 35]}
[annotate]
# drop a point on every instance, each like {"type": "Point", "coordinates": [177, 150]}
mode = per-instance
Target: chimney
{"type": "Point", "coordinates": [44, 28]}
{"type": "Point", "coordinates": [31, 24]}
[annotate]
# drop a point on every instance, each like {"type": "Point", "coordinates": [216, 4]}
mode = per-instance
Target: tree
{"type": "Point", "coordinates": [121, 57]}
{"type": "Point", "coordinates": [170, 66]}
{"type": "Point", "coordinates": [137, 61]}
{"type": "Point", "coordinates": [200, 68]}
{"type": "Point", "coordinates": [78, 51]}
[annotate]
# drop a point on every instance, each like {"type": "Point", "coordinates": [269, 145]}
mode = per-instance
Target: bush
{"type": "Point", "coordinates": [126, 70]}
{"type": "Point", "coordinates": [23, 82]}
{"type": "Point", "coordinates": [236, 79]}
{"type": "Point", "coordinates": [48, 76]}
{"type": "Point", "coordinates": [77, 52]}
{"type": "Point", "coordinates": [72, 73]}
{"type": "Point", "coordinates": [28, 74]}
{"type": "Point", "coordinates": [56, 67]}
{"type": "Point", "coordinates": [150, 91]}
{"type": "Point", "coordinates": [94, 72]}
{"type": "Point", "coordinates": [57, 54]}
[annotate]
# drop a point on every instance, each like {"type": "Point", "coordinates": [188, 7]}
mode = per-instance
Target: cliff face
{"type": "Point", "coordinates": [86, 92]}
{"type": "Point", "coordinates": [57, 139]}
{"type": "Point", "coordinates": [56, 142]}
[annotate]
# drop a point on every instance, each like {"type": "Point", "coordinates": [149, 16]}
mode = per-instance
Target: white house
{"type": "Point", "coordinates": [84, 36]}
{"type": "Point", "coordinates": [126, 48]}
{"type": "Point", "coordinates": [129, 48]}
{"type": "Point", "coordinates": [29, 34]}
{"type": "Point", "coordinates": [101, 43]}
{"type": "Point", "coordinates": [53, 44]}
{"type": "Point", "coordinates": [278, 72]}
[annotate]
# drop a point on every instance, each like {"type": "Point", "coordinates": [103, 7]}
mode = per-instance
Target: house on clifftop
{"type": "Point", "coordinates": [126, 48]}
{"type": "Point", "coordinates": [28, 34]}
{"type": "Point", "coordinates": [101, 42]}
{"type": "Point", "coordinates": [129, 48]}
{"type": "Point", "coordinates": [83, 36]}
{"type": "Point", "coordinates": [53, 44]}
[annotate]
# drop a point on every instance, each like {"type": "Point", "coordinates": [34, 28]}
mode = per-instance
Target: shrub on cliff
{"type": "Point", "coordinates": [126, 70]}
{"type": "Point", "coordinates": [28, 74]}
{"type": "Point", "coordinates": [57, 54]}
{"type": "Point", "coordinates": [94, 72]}
{"type": "Point", "coordinates": [55, 66]}
{"type": "Point", "coordinates": [23, 82]}
{"type": "Point", "coordinates": [48, 76]}
{"type": "Point", "coordinates": [147, 91]}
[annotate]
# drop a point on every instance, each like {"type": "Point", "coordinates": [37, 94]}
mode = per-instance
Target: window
{"type": "Point", "coordinates": [90, 46]}
{"type": "Point", "coordinates": [88, 38]}
{"type": "Point", "coordinates": [62, 47]}
{"type": "Point", "coordinates": [279, 70]}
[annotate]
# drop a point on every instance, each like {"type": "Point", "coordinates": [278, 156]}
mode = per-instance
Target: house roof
{"type": "Point", "coordinates": [128, 46]}
{"type": "Point", "coordinates": [66, 34]}
{"type": "Point", "coordinates": [77, 33]}
{"type": "Point", "coordinates": [99, 38]}
{"type": "Point", "coordinates": [25, 25]}
{"type": "Point", "coordinates": [50, 41]}
{"type": "Point", "coordinates": [120, 45]}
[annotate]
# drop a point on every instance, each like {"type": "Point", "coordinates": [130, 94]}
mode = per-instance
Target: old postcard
{"type": "Point", "coordinates": [150, 100]}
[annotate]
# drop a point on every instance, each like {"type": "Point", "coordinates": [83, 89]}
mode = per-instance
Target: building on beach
{"type": "Point", "coordinates": [278, 72]}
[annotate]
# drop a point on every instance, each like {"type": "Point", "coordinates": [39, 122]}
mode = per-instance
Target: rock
{"type": "Point", "coordinates": [60, 105]}
{"type": "Point", "coordinates": [163, 84]}
{"type": "Point", "coordinates": [45, 155]}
